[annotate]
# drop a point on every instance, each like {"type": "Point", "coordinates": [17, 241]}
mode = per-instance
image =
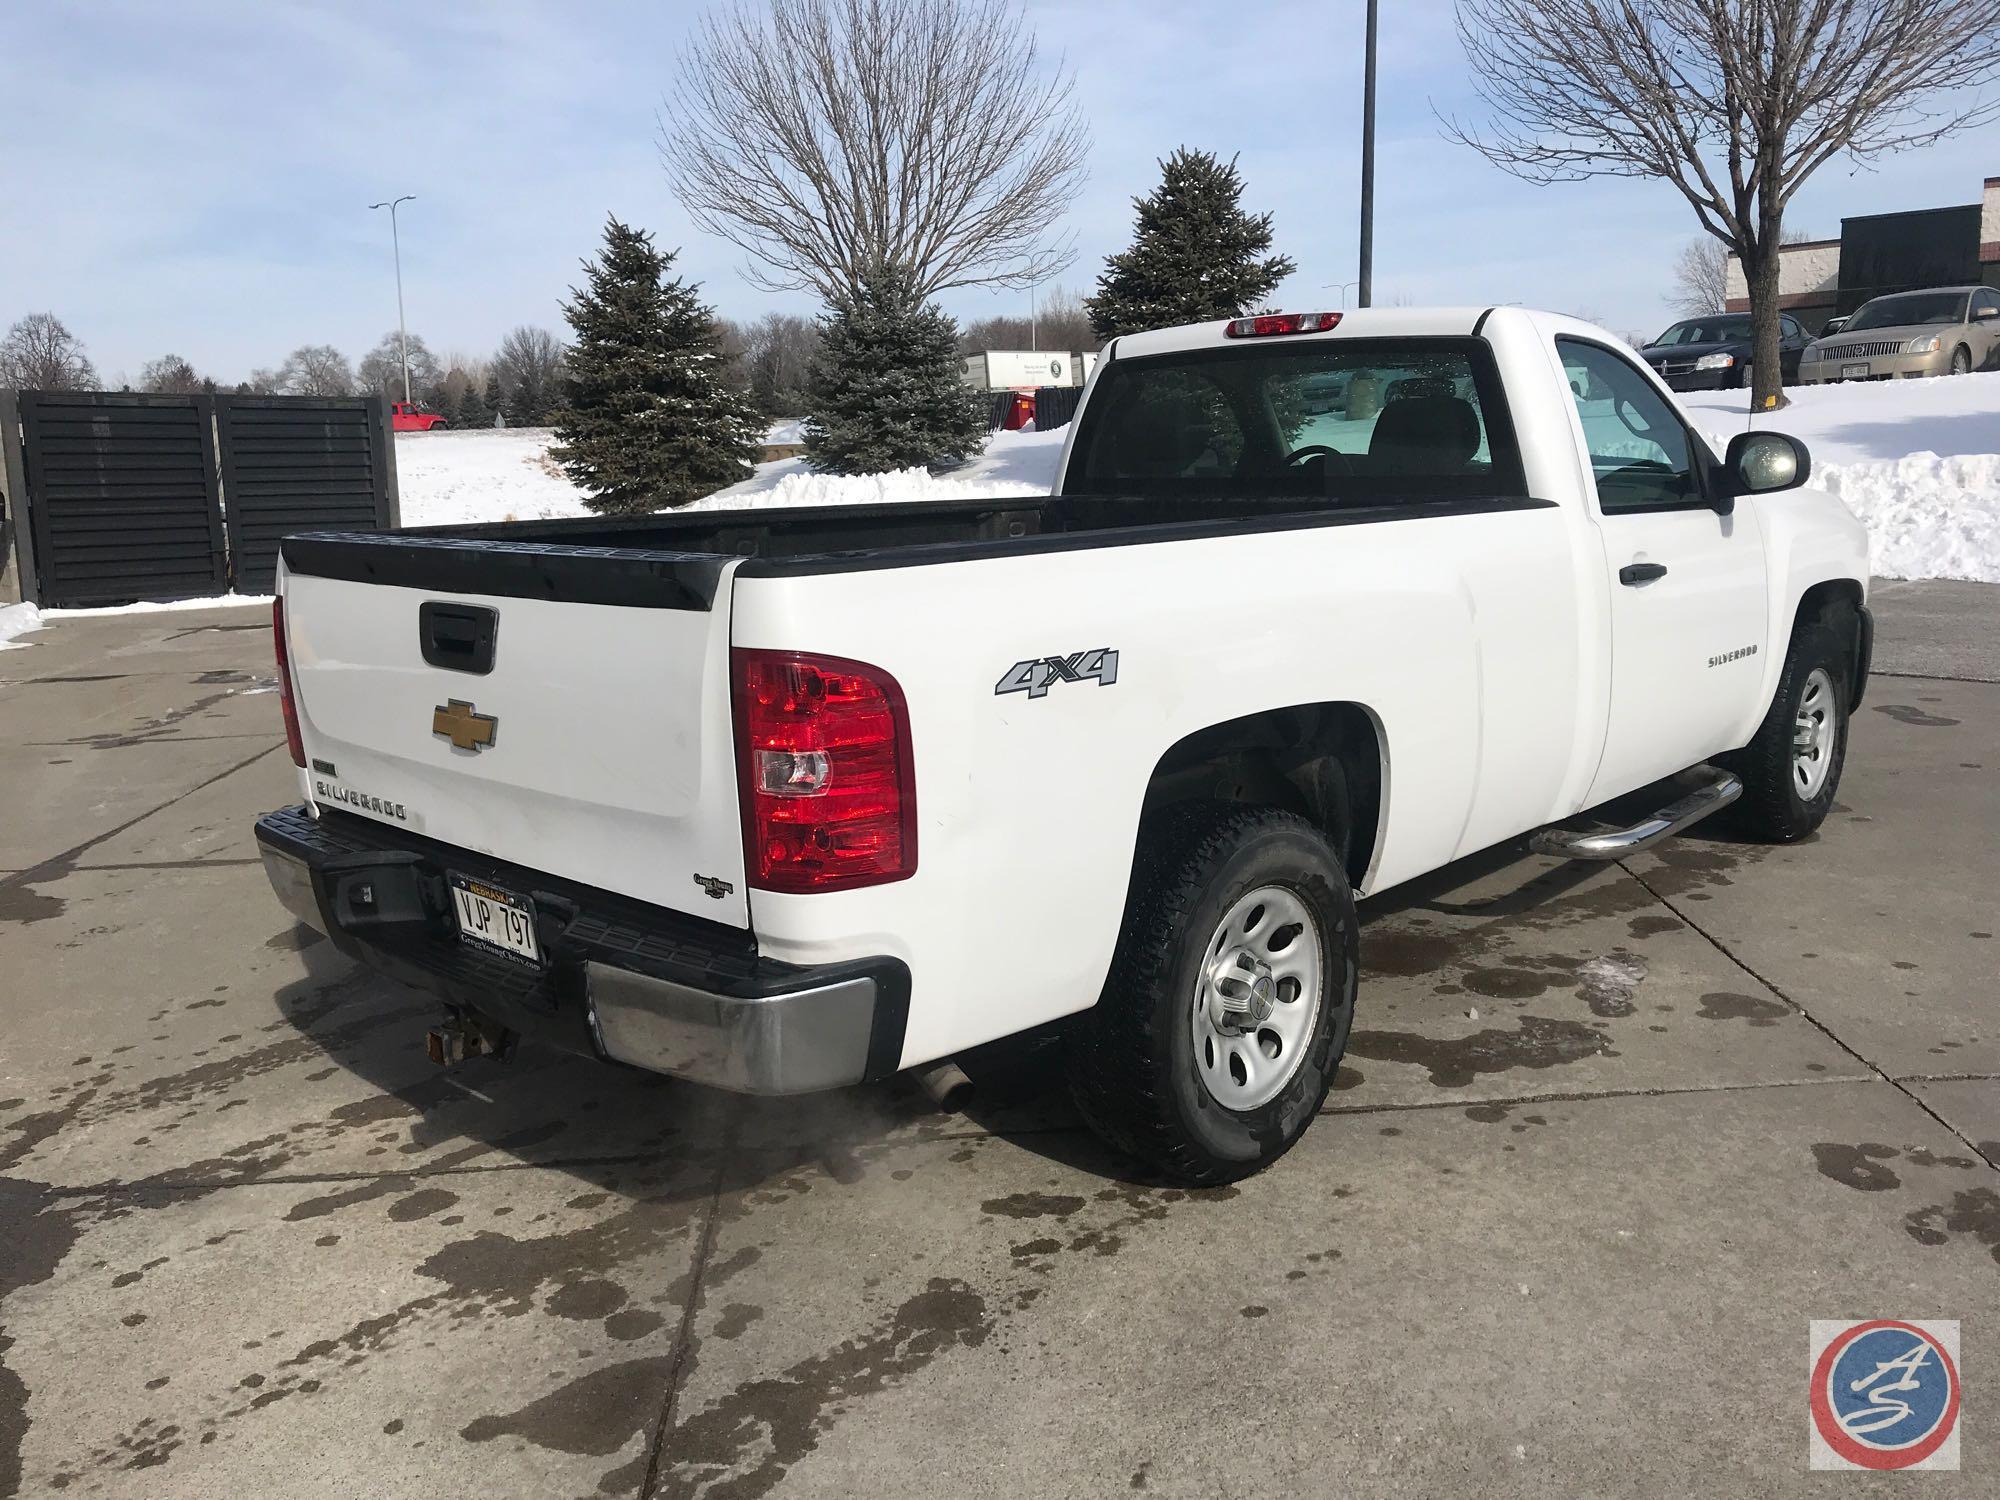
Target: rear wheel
{"type": "Point", "coordinates": [1961, 361]}
{"type": "Point", "coordinates": [1791, 770]}
{"type": "Point", "coordinates": [1230, 995]}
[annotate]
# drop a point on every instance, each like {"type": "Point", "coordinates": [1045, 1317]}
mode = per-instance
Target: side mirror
{"type": "Point", "coordinates": [1762, 463]}
{"type": "Point", "coordinates": [1985, 313]}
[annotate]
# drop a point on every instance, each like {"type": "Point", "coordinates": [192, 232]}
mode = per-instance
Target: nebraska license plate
{"type": "Point", "coordinates": [1854, 372]}
{"type": "Point", "coordinates": [493, 918]}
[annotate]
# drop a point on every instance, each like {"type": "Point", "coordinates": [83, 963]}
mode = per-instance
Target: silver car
{"type": "Point", "coordinates": [1949, 330]}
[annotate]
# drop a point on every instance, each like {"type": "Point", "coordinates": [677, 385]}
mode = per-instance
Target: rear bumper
{"type": "Point", "coordinates": [623, 981]}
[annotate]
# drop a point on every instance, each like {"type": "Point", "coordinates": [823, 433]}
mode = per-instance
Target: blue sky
{"type": "Point", "coordinates": [194, 176]}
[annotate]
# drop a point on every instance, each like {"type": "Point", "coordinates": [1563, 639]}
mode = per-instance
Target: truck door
{"type": "Point", "coordinates": [1687, 586]}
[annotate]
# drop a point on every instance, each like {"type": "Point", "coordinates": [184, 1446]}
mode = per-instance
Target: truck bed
{"type": "Point", "coordinates": [682, 555]}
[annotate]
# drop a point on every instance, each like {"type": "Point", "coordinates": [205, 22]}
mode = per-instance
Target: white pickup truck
{"type": "Point", "coordinates": [789, 800]}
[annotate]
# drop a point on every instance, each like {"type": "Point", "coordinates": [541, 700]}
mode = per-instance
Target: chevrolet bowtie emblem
{"type": "Point", "coordinates": [455, 720]}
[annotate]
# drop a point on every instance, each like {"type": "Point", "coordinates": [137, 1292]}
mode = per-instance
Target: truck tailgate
{"type": "Point", "coordinates": [596, 745]}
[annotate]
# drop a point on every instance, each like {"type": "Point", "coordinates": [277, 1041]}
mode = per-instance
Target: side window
{"type": "Point", "coordinates": [1640, 453]}
{"type": "Point", "coordinates": [1790, 329]}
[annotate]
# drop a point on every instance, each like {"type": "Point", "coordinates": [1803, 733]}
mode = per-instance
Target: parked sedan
{"type": "Point", "coordinates": [1946, 331]}
{"type": "Point", "coordinates": [1713, 353]}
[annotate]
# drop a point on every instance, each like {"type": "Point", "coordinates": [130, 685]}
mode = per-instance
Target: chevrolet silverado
{"type": "Point", "coordinates": [789, 800]}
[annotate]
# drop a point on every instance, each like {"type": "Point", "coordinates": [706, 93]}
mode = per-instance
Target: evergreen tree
{"type": "Point", "coordinates": [1196, 254]}
{"type": "Point", "coordinates": [492, 400]}
{"type": "Point", "coordinates": [887, 385]}
{"type": "Point", "coordinates": [473, 412]}
{"type": "Point", "coordinates": [644, 421]}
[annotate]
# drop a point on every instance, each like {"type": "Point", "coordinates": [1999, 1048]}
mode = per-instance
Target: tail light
{"type": "Point", "coordinates": [1264, 325]}
{"type": "Point", "coordinates": [292, 739]}
{"type": "Point", "coordinates": [829, 796]}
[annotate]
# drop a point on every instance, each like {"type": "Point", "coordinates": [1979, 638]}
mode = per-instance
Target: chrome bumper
{"type": "Point", "coordinates": [743, 1023]}
{"type": "Point", "coordinates": [1880, 367]}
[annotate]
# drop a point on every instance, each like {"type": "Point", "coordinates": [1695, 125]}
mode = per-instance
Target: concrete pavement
{"type": "Point", "coordinates": [1606, 1139]}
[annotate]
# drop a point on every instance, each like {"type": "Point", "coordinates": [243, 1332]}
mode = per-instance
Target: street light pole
{"type": "Point", "coordinates": [403, 328]}
{"type": "Point", "coordinates": [1367, 297]}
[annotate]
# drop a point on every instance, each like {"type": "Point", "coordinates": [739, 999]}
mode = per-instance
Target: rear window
{"type": "Point", "coordinates": [1337, 421]}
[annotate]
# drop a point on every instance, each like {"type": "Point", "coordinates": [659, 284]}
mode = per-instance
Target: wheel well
{"type": "Point", "coordinates": [1323, 761]}
{"type": "Point", "coordinates": [1833, 599]}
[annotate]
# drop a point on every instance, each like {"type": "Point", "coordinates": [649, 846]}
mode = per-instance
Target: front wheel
{"type": "Point", "coordinates": [1791, 770]}
{"type": "Point", "coordinates": [1961, 361]}
{"type": "Point", "coordinates": [1230, 995]}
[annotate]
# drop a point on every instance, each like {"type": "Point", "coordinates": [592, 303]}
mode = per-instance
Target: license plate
{"type": "Point", "coordinates": [494, 918]}
{"type": "Point", "coordinates": [1854, 372]}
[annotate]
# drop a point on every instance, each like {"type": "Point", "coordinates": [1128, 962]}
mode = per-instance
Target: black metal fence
{"type": "Point", "coordinates": [127, 497]}
{"type": "Point", "coordinates": [1054, 406]}
{"type": "Point", "coordinates": [297, 466]}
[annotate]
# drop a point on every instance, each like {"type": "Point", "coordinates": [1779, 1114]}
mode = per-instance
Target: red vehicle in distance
{"type": "Point", "coordinates": [407, 416]}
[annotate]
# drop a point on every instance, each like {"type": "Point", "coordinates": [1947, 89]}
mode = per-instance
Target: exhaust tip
{"type": "Point", "coordinates": [946, 1083]}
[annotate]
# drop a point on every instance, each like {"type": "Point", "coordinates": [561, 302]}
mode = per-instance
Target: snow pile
{"type": "Point", "coordinates": [1871, 421]}
{"type": "Point", "coordinates": [1014, 463]}
{"type": "Point", "coordinates": [456, 477]}
{"type": "Point", "coordinates": [1917, 460]}
{"type": "Point", "coordinates": [1927, 517]}
{"type": "Point", "coordinates": [17, 619]}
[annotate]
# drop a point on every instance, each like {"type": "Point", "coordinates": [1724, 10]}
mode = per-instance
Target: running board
{"type": "Point", "coordinates": [1616, 843]}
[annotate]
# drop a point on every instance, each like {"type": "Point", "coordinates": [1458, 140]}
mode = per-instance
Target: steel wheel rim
{"type": "Point", "coordinates": [1257, 997]}
{"type": "Point", "coordinates": [1813, 730]}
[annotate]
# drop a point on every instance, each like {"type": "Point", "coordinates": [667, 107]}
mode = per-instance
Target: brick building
{"type": "Point", "coordinates": [1881, 253]}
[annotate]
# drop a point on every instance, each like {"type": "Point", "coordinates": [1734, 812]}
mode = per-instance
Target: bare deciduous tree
{"type": "Point", "coordinates": [780, 356]}
{"type": "Point", "coordinates": [529, 366]}
{"type": "Point", "coordinates": [1060, 321]}
{"type": "Point", "coordinates": [1734, 102]}
{"type": "Point", "coordinates": [40, 354]}
{"type": "Point", "coordinates": [825, 137]}
{"type": "Point", "coordinates": [381, 368]}
{"type": "Point", "coordinates": [170, 375]}
{"type": "Point", "coordinates": [317, 370]}
{"type": "Point", "coordinates": [1701, 277]}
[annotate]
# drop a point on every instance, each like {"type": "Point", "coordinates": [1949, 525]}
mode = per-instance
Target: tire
{"type": "Point", "coordinates": [1783, 798]}
{"type": "Point", "coordinates": [1137, 1061]}
{"type": "Point", "coordinates": [1961, 361]}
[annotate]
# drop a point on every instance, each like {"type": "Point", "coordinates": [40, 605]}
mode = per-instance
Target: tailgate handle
{"type": "Point", "coordinates": [458, 637]}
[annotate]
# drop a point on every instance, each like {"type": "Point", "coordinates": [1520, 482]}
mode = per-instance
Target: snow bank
{"type": "Point", "coordinates": [1014, 463]}
{"type": "Point", "coordinates": [1927, 517]}
{"type": "Point", "coordinates": [1918, 460]}
{"type": "Point", "coordinates": [456, 477]}
{"type": "Point", "coordinates": [17, 619]}
{"type": "Point", "coordinates": [1872, 421]}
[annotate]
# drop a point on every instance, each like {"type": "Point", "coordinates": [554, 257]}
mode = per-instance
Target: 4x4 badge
{"type": "Point", "coordinates": [1035, 677]}
{"type": "Point", "coordinates": [457, 721]}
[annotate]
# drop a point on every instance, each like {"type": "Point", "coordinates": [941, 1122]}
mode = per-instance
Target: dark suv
{"type": "Point", "coordinates": [1714, 352]}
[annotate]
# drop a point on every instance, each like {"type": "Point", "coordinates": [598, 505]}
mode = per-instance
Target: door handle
{"type": "Point", "coordinates": [1637, 573]}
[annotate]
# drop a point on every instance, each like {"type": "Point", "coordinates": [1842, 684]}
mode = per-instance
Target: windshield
{"type": "Point", "coordinates": [1909, 310]}
{"type": "Point", "coordinates": [1343, 421]}
{"type": "Point", "coordinates": [1706, 331]}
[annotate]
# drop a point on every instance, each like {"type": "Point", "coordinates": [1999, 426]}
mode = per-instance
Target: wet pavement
{"type": "Point", "coordinates": [1607, 1137]}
